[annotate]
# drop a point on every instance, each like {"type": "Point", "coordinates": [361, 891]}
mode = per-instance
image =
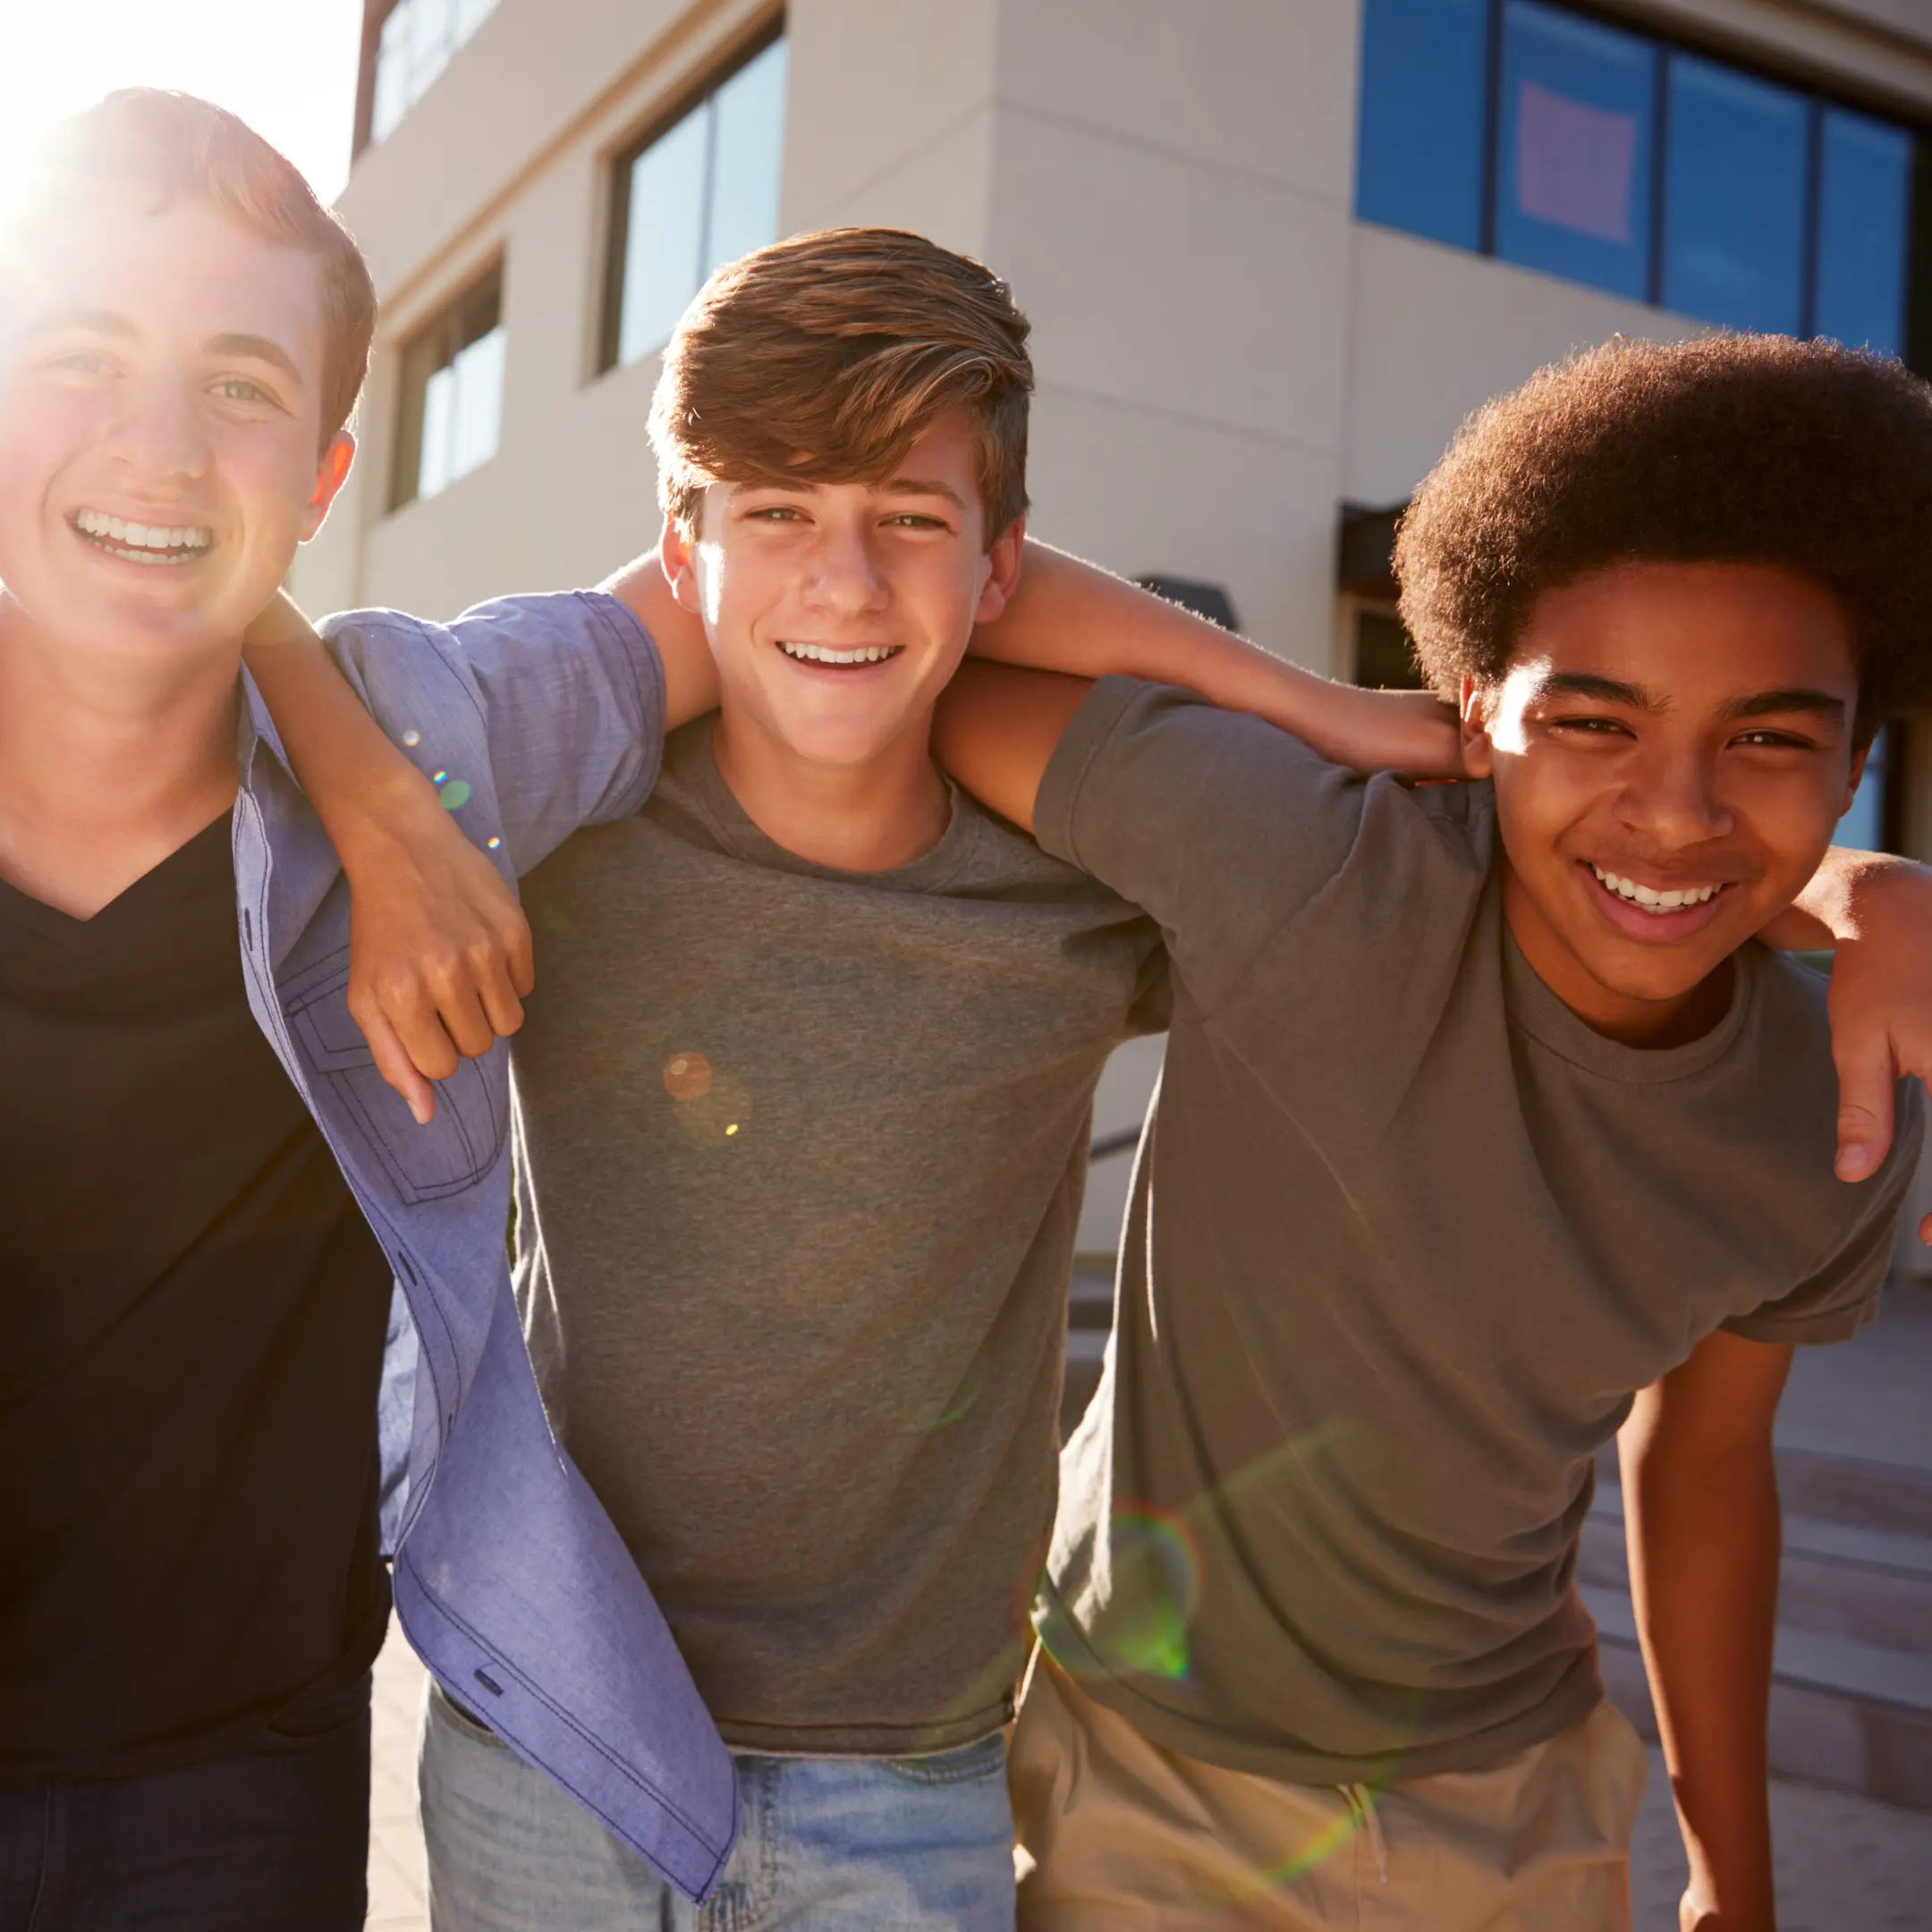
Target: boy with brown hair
{"type": "Point", "coordinates": [191, 1338]}
{"type": "Point", "coordinates": [802, 1113]}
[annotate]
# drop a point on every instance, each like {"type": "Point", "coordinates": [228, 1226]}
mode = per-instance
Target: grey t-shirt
{"type": "Point", "coordinates": [1405, 1238]}
{"type": "Point", "coordinates": [800, 1157]}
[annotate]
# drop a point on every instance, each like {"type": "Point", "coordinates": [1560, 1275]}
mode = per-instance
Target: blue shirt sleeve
{"type": "Point", "coordinates": [561, 695]}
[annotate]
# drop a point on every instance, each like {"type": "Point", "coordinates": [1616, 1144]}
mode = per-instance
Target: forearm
{"type": "Point", "coordinates": [1703, 1535]}
{"type": "Point", "coordinates": [358, 782]}
{"type": "Point", "coordinates": [1073, 617]}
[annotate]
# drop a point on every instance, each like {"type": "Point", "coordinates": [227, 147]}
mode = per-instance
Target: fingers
{"type": "Point", "coordinates": [393, 1063]}
{"type": "Point", "coordinates": [1864, 1076]}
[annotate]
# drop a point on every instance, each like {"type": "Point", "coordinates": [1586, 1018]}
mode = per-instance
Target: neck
{"type": "Point", "coordinates": [1625, 1017]}
{"type": "Point", "coordinates": [866, 817]}
{"type": "Point", "coordinates": [105, 769]}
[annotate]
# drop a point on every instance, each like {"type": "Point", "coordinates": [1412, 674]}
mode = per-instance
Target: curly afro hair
{"type": "Point", "coordinates": [1732, 449]}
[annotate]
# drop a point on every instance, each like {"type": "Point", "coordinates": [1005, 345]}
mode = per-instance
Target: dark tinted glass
{"type": "Point", "coordinates": [1573, 173]}
{"type": "Point", "coordinates": [1734, 199]}
{"type": "Point", "coordinates": [1864, 203]}
{"type": "Point", "coordinates": [1419, 162]}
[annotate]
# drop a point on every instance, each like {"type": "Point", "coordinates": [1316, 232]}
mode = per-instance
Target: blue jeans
{"type": "Point", "coordinates": [824, 1845]}
{"type": "Point", "coordinates": [270, 1839]}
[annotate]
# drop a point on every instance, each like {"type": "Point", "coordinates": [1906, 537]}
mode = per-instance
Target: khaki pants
{"type": "Point", "coordinates": [1116, 1833]}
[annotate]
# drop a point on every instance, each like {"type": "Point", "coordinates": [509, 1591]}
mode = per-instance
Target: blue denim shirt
{"type": "Point", "coordinates": [510, 1579]}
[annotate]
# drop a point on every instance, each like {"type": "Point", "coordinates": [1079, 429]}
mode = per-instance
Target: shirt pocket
{"type": "Point", "coordinates": [454, 1151]}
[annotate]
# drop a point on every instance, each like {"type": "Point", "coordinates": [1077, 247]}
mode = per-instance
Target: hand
{"type": "Point", "coordinates": [1881, 1012]}
{"type": "Point", "coordinates": [439, 951]}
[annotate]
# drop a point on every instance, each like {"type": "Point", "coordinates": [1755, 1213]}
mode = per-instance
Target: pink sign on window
{"type": "Point", "coordinates": [1574, 164]}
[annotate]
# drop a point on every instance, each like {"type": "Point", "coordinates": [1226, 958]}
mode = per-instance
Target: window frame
{"type": "Point", "coordinates": [1819, 96]}
{"type": "Point", "coordinates": [405, 456]}
{"type": "Point", "coordinates": [623, 159]}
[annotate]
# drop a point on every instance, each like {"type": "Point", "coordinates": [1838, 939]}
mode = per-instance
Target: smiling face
{"type": "Point", "coordinates": [837, 611]}
{"type": "Point", "coordinates": [160, 415]}
{"type": "Point", "coordinates": [1671, 749]}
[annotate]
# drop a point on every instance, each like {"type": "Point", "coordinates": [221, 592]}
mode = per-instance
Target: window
{"type": "Point", "coordinates": [1734, 199]}
{"type": "Point", "coordinates": [691, 197]}
{"type": "Point", "coordinates": [1522, 130]}
{"type": "Point", "coordinates": [1867, 827]}
{"type": "Point", "coordinates": [453, 376]}
{"type": "Point", "coordinates": [1573, 183]}
{"type": "Point", "coordinates": [420, 38]}
{"type": "Point", "coordinates": [1424, 73]}
{"type": "Point", "coordinates": [1864, 204]}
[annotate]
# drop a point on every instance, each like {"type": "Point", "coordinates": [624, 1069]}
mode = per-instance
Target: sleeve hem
{"type": "Point", "coordinates": [1835, 1325]}
{"type": "Point", "coordinates": [640, 653]}
{"type": "Point", "coordinates": [1057, 804]}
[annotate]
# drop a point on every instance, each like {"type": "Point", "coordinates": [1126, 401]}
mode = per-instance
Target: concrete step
{"type": "Point", "coordinates": [1831, 1720]}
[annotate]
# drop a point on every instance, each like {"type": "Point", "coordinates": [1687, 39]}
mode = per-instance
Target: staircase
{"type": "Point", "coordinates": [1851, 1681]}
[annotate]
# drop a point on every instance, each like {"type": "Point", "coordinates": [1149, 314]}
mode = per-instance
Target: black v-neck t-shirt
{"type": "Point", "coordinates": [192, 1322]}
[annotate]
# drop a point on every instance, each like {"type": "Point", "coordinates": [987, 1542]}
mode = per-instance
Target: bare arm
{"type": "Point", "coordinates": [1701, 1518]}
{"type": "Point", "coordinates": [1073, 617]}
{"type": "Point", "coordinates": [690, 671]}
{"type": "Point", "coordinates": [998, 727]}
{"type": "Point", "coordinates": [1876, 911]}
{"type": "Point", "coordinates": [453, 957]}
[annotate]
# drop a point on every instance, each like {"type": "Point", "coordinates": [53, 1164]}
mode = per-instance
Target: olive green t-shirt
{"type": "Point", "coordinates": [800, 1156]}
{"type": "Point", "coordinates": [1405, 1238]}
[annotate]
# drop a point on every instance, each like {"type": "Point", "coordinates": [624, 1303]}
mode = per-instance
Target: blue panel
{"type": "Point", "coordinates": [1573, 173]}
{"type": "Point", "coordinates": [1862, 828]}
{"type": "Point", "coordinates": [1864, 203]}
{"type": "Point", "coordinates": [1734, 199]}
{"type": "Point", "coordinates": [1418, 161]}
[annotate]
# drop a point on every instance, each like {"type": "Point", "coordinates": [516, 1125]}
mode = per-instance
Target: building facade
{"type": "Point", "coordinates": [1274, 251]}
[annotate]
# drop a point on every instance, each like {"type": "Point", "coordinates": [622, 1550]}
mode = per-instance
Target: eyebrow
{"type": "Point", "coordinates": [95, 321]}
{"type": "Point", "coordinates": [1605, 690]}
{"type": "Point", "coordinates": [258, 349]}
{"type": "Point", "coordinates": [916, 487]}
{"type": "Point", "coordinates": [1800, 698]}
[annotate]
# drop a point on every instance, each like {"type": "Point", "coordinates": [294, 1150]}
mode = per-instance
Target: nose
{"type": "Point", "coordinates": [845, 579]}
{"type": "Point", "coordinates": [1670, 797]}
{"type": "Point", "coordinates": [156, 438]}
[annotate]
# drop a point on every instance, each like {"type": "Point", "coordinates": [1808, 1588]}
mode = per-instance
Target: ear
{"type": "Point", "coordinates": [1003, 576]}
{"type": "Point", "coordinates": [1854, 779]}
{"type": "Point", "coordinates": [1473, 706]}
{"type": "Point", "coordinates": [331, 473]}
{"type": "Point", "coordinates": [677, 551]}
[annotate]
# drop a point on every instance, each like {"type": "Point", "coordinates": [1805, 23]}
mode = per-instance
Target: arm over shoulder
{"type": "Point", "coordinates": [1221, 826]}
{"type": "Point", "coordinates": [567, 689]}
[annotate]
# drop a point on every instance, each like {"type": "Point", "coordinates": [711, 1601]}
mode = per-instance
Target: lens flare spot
{"type": "Point", "coordinates": [495, 844]}
{"type": "Point", "coordinates": [439, 777]}
{"type": "Point", "coordinates": [1156, 1591]}
{"type": "Point", "coordinates": [455, 795]}
{"type": "Point", "coordinates": [687, 1076]}
{"type": "Point", "coordinates": [731, 1129]}
{"type": "Point", "coordinates": [412, 739]}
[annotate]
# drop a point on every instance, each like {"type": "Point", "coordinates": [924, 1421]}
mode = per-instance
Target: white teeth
{"type": "Point", "coordinates": [821, 654]}
{"type": "Point", "coordinates": [145, 543]}
{"type": "Point", "coordinates": [1651, 900]}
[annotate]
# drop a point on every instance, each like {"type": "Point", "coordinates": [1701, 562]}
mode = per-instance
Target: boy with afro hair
{"type": "Point", "coordinates": [1490, 1134]}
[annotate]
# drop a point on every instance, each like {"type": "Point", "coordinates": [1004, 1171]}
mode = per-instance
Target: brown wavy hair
{"type": "Point", "coordinates": [825, 357]}
{"type": "Point", "coordinates": [1732, 449]}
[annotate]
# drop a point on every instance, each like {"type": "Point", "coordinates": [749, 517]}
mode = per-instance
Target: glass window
{"type": "Point", "coordinates": [698, 195]}
{"type": "Point", "coordinates": [453, 380]}
{"type": "Point", "coordinates": [420, 38]}
{"type": "Point", "coordinates": [1574, 165]}
{"type": "Point", "coordinates": [1734, 199]}
{"type": "Point", "coordinates": [1863, 827]}
{"type": "Point", "coordinates": [1864, 204]}
{"type": "Point", "coordinates": [1419, 163]}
